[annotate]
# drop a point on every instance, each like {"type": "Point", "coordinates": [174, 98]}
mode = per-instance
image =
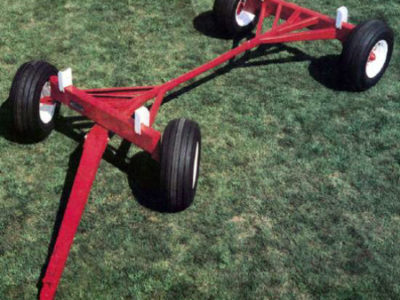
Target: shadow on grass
{"type": "Point", "coordinates": [205, 23]}
{"type": "Point", "coordinates": [6, 128]}
{"type": "Point", "coordinates": [142, 170]}
{"type": "Point", "coordinates": [144, 180]}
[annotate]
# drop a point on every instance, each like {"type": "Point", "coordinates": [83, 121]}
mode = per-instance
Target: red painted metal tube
{"type": "Point", "coordinates": [284, 28]}
{"type": "Point", "coordinates": [106, 115]}
{"type": "Point", "coordinates": [120, 89]}
{"type": "Point", "coordinates": [288, 8]}
{"type": "Point", "coordinates": [263, 14]}
{"type": "Point", "coordinates": [156, 106]}
{"type": "Point", "coordinates": [212, 64]}
{"type": "Point", "coordinates": [277, 16]}
{"type": "Point", "coordinates": [312, 35]}
{"type": "Point", "coordinates": [93, 149]}
{"type": "Point", "coordinates": [294, 16]}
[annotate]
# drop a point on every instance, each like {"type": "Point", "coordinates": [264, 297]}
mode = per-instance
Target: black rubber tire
{"type": "Point", "coordinates": [356, 51]}
{"type": "Point", "coordinates": [225, 16]}
{"type": "Point", "coordinates": [25, 100]}
{"type": "Point", "coordinates": [178, 152]}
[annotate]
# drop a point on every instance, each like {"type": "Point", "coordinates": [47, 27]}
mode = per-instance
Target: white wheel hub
{"type": "Point", "coordinates": [46, 111]}
{"type": "Point", "coordinates": [195, 164]}
{"type": "Point", "coordinates": [377, 59]}
{"type": "Point", "coordinates": [244, 13]}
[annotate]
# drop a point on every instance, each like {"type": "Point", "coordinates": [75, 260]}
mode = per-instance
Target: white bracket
{"type": "Point", "coordinates": [342, 16]}
{"type": "Point", "coordinates": [142, 116]}
{"type": "Point", "coordinates": [64, 79]}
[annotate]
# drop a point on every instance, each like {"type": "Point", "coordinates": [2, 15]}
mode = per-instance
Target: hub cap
{"type": "Point", "coordinates": [245, 12]}
{"type": "Point", "coordinates": [46, 110]}
{"type": "Point", "coordinates": [377, 59]}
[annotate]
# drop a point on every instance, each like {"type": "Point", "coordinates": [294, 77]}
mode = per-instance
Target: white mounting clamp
{"type": "Point", "coordinates": [342, 16]}
{"type": "Point", "coordinates": [64, 79]}
{"type": "Point", "coordinates": [142, 116]}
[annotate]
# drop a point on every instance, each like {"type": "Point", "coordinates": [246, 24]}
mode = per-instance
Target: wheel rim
{"type": "Point", "coordinates": [245, 12]}
{"type": "Point", "coordinates": [195, 165]}
{"type": "Point", "coordinates": [377, 59]}
{"type": "Point", "coordinates": [46, 109]}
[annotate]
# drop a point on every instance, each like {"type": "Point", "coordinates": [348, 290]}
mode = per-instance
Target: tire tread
{"type": "Point", "coordinates": [177, 158]}
{"type": "Point", "coordinates": [24, 95]}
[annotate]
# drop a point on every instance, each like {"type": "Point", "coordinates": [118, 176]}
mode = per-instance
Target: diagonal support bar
{"type": "Point", "coordinates": [93, 149]}
{"type": "Point", "coordinates": [312, 35]}
{"type": "Point", "coordinates": [294, 16]}
{"type": "Point", "coordinates": [288, 27]}
{"type": "Point", "coordinates": [277, 16]}
{"type": "Point", "coordinates": [156, 106]}
{"type": "Point", "coordinates": [263, 15]}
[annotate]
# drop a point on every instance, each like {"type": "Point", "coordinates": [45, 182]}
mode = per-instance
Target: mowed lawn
{"type": "Point", "coordinates": [299, 192]}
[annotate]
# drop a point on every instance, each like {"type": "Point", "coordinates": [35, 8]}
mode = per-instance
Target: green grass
{"type": "Point", "coordinates": [299, 189]}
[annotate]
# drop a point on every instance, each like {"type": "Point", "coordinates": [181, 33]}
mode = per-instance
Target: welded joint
{"type": "Point", "coordinates": [342, 16]}
{"type": "Point", "coordinates": [142, 116]}
{"type": "Point", "coordinates": [64, 79]}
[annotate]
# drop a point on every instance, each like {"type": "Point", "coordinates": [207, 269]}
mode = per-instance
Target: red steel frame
{"type": "Point", "coordinates": [112, 110]}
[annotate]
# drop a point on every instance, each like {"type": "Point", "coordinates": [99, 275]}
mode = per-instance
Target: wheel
{"type": "Point", "coordinates": [33, 115]}
{"type": "Point", "coordinates": [180, 160]}
{"type": "Point", "coordinates": [237, 16]}
{"type": "Point", "coordinates": [366, 54]}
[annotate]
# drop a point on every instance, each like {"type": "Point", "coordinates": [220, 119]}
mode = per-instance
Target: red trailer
{"type": "Point", "coordinates": [39, 89]}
